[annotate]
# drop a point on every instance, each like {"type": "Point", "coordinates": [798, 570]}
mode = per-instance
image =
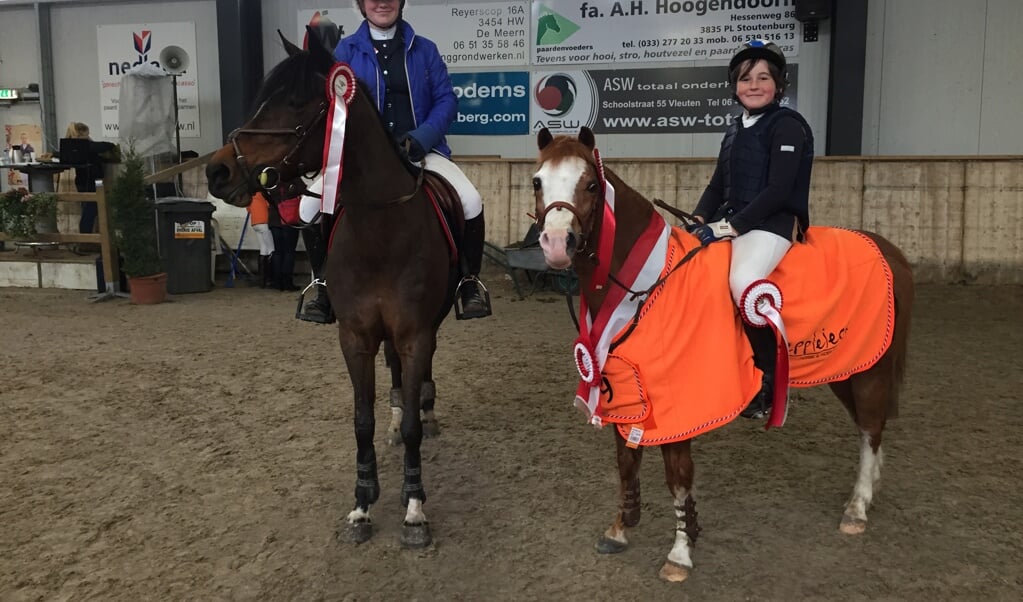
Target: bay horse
{"type": "Point", "coordinates": [389, 272]}
{"type": "Point", "coordinates": [571, 209]}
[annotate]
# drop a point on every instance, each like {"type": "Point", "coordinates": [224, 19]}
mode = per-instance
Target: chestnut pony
{"type": "Point", "coordinates": [570, 206]}
{"type": "Point", "coordinates": [389, 272]}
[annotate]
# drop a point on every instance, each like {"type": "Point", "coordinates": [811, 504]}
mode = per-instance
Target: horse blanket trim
{"type": "Point", "coordinates": [687, 367]}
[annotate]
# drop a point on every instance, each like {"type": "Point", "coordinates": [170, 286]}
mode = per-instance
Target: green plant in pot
{"type": "Point", "coordinates": [133, 219]}
{"type": "Point", "coordinates": [24, 214]}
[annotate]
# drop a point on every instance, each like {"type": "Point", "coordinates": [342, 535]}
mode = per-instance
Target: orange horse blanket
{"type": "Point", "coordinates": [687, 367]}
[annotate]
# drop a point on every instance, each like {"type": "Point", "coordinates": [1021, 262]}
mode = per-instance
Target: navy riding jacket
{"type": "Point", "coordinates": [762, 179]}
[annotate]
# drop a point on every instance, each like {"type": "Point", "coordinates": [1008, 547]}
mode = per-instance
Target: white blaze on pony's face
{"type": "Point", "coordinates": [558, 182]}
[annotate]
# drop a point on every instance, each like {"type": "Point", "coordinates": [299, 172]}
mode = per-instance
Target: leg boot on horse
{"type": "Point", "coordinates": [317, 309]}
{"type": "Point", "coordinates": [763, 343]}
{"type": "Point", "coordinates": [473, 299]}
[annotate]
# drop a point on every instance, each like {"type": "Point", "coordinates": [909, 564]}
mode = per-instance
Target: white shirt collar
{"type": "Point", "coordinates": [383, 34]}
{"type": "Point", "coordinates": [748, 120]}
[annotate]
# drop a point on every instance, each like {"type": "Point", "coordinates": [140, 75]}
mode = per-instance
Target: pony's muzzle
{"type": "Point", "coordinates": [559, 247]}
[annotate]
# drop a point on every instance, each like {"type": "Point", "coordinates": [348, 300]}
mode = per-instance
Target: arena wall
{"type": "Point", "coordinates": [957, 219]}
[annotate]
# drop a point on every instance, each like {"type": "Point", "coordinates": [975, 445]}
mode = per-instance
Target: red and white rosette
{"type": "Point", "coordinates": [586, 363]}
{"type": "Point", "coordinates": [760, 306]}
{"type": "Point", "coordinates": [340, 92]}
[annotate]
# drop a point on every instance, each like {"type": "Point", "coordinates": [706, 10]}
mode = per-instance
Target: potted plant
{"type": "Point", "coordinates": [24, 214]}
{"type": "Point", "coordinates": [133, 220]}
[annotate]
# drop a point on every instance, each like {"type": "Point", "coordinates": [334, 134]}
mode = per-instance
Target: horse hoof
{"type": "Point", "coordinates": [852, 526]}
{"type": "Point", "coordinates": [674, 573]}
{"type": "Point", "coordinates": [415, 537]}
{"type": "Point", "coordinates": [360, 531]}
{"type": "Point", "coordinates": [606, 545]}
{"type": "Point", "coordinates": [395, 439]}
{"type": "Point", "coordinates": [431, 429]}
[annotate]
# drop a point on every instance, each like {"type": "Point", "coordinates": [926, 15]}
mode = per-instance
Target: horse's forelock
{"type": "Point", "coordinates": [564, 147]}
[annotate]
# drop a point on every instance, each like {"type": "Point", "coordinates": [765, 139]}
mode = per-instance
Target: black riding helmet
{"type": "Point", "coordinates": [760, 49]}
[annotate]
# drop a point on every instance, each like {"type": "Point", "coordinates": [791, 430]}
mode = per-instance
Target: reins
{"type": "Point", "coordinates": [269, 180]}
{"type": "Point", "coordinates": [633, 294]}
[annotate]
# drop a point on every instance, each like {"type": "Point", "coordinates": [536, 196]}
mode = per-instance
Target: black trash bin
{"type": "Point", "coordinates": [186, 242]}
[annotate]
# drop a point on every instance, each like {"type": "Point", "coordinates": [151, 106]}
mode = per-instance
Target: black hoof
{"type": "Point", "coordinates": [415, 537]}
{"type": "Point", "coordinates": [606, 545]}
{"type": "Point", "coordinates": [359, 531]}
{"type": "Point", "coordinates": [431, 428]}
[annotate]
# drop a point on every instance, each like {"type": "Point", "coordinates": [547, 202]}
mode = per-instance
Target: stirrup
{"type": "Point", "coordinates": [325, 316]}
{"type": "Point", "coordinates": [463, 313]}
{"type": "Point", "coordinates": [760, 406]}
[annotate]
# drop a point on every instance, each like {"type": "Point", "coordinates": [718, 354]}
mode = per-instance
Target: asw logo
{"type": "Point", "coordinates": [555, 94]}
{"type": "Point", "coordinates": [563, 102]}
{"type": "Point", "coordinates": [552, 27]}
{"type": "Point", "coordinates": [143, 43]}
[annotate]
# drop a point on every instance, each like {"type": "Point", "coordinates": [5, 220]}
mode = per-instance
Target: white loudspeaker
{"type": "Point", "coordinates": [174, 60]}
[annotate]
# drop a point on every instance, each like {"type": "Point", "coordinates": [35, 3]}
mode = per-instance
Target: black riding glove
{"type": "Point", "coordinates": [412, 148]}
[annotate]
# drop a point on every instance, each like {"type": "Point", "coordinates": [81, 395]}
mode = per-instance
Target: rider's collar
{"type": "Point", "coordinates": [383, 34]}
{"type": "Point", "coordinates": [751, 117]}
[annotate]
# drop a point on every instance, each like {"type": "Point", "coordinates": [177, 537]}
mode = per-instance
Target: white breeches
{"type": "Point", "coordinates": [309, 206]}
{"type": "Point", "coordinates": [472, 203]}
{"type": "Point", "coordinates": [265, 238]}
{"type": "Point", "coordinates": [755, 254]}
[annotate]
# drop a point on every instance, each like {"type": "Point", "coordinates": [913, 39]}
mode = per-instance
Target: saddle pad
{"type": "Point", "coordinates": [687, 367]}
{"type": "Point", "coordinates": [838, 305]}
{"type": "Point", "coordinates": [687, 358]}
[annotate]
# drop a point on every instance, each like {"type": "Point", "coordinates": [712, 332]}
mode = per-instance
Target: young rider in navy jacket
{"type": "Point", "coordinates": [758, 195]}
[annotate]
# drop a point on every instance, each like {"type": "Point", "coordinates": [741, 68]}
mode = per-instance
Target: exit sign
{"type": "Point", "coordinates": [8, 93]}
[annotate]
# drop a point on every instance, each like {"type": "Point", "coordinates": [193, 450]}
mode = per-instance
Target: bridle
{"type": "Point", "coordinates": [269, 177]}
{"type": "Point", "coordinates": [586, 224]}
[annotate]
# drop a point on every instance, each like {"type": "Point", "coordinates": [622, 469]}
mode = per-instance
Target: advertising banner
{"type": "Point", "coordinates": [492, 34]}
{"type": "Point", "coordinates": [572, 32]}
{"type": "Point", "coordinates": [121, 47]}
{"type": "Point", "coordinates": [491, 103]}
{"type": "Point", "coordinates": [662, 100]}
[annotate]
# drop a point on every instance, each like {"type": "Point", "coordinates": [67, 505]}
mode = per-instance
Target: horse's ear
{"type": "Point", "coordinates": [317, 48]}
{"type": "Point", "coordinates": [543, 138]}
{"type": "Point", "coordinates": [291, 49]}
{"type": "Point", "coordinates": [586, 137]}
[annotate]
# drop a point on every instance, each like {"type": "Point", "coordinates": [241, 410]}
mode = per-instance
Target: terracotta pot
{"type": "Point", "coordinates": [148, 290]}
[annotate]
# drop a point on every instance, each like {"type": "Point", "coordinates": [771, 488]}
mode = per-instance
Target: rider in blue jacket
{"type": "Point", "coordinates": [409, 83]}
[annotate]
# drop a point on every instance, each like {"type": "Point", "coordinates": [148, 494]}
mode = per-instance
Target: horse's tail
{"type": "Point", "coordinates": [903, 289]}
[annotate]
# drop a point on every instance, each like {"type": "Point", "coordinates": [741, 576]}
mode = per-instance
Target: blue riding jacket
{"type": "Point", "coordinates": [434, 104]}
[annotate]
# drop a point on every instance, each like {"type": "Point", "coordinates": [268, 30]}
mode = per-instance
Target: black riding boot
{"type": "Point", "coordinates": [473, 300]}
{"type": "Point", "coordinates": [763, 343]}
{"type": "Point", "coordinates": [317, 309]}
